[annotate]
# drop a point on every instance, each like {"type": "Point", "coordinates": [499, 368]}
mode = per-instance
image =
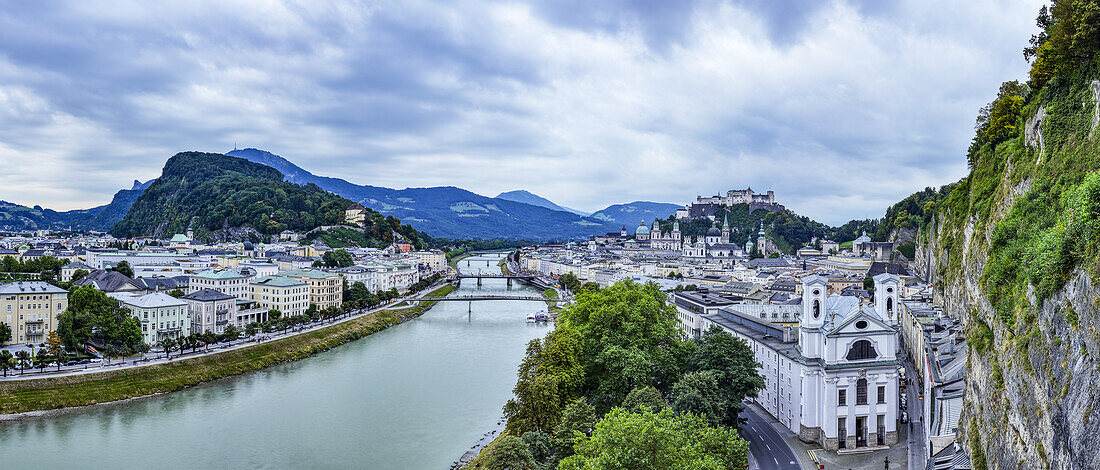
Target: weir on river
{"type": "Point", "coordinates": [415, 396]}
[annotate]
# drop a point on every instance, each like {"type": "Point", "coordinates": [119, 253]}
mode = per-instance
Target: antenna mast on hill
{"type": "Point", "coordinates": [234, 146]}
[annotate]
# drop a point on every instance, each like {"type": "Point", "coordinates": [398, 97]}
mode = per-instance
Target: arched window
{"type": "Point", "coordinates": [861, 392]}
{"type": "Point", "coordinates": [817, 308]}
{"type": "Point", "coordinates": [889, 305]}
{"type": "Point", "coordinates": [862, 349]}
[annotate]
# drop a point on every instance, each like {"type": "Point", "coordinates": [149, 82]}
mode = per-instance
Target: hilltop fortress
{"type": "Point", "coordinates": [705, 206]}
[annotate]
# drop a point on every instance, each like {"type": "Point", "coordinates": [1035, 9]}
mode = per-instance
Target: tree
{"type": "Point", "coordinates": [231, 333]}
{"type": "Point", "coordinates": [209, 338]}
{"type": "Point", "coordinates": [7, 361]}
{"type": "Point", "coordinates": [698, 393]}
{"type": "Point", "coordinates": [78, 275]}
{"type": "Point", "coordinates": [5, 333]}
{"type": "Point", "coordinates": [511, 453]}
{"type": "Point", "coordinates": [177, 293]}
{"type": "Point", "coordinates": [629, 337]}
{"type": "Point", "coordinates": [337, 259]}
{"type": "Point", "coordinates": [550, 377]}
{"type": "Point", "coordinates": [23, 359]}
{"type": "Point", "coordinates": [123, 268]}
{"type": "Point", "coordinates": [55, 348]}
{"type": "Point", "coordinates": [538, 443]}
{"type": "Point", "coordinates": [168, 344]}
{"type": "Point", "coordinates": [570, 282]}
{"type": "Point", "coordinates": [94, 316]}
{"type": "Point", "coordinates": [644, 398]}
{"type": "Point", "coordinates": [41, 359]}
{"type": "Point", "coordinates": [734, 367]}
{"type": "Point", "coordinates": [187, 342]}
{"type": "Point", "coordinates": [579, 418]}
{"type": "Point", "coordinates": [1069, 37]}
{"type": "Point", "coordinates": [251, 329]}
{"type": "Point", "coordinates": [657, 441]}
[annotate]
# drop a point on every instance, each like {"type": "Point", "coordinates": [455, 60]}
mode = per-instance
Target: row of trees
{"type": "Point", "coordinates": [665, 402]}
{"type": "Point", "coordinates": [23, 360]}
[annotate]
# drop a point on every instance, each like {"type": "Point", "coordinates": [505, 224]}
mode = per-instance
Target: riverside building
{"type": "Point", "coordinates": [30, 309]}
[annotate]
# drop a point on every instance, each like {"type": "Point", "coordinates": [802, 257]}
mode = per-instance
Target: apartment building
{"type": "Point", "coordinates": [289, 296]}
{"type": "Point", "coordinates": [325, 289]}
{"type": "Point", "coordinates": [31, 309]}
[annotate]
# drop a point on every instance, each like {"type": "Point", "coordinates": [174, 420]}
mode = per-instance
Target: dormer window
{"type": "Point", "coordinates": [860, 350]}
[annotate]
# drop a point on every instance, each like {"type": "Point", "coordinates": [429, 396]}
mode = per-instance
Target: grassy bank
{"type": "Point", "coordinates": [88, 389]}
{"type": "Point", "coordinates": [550, 294]}
{"type": "Point", "coordinates": [454, 261]}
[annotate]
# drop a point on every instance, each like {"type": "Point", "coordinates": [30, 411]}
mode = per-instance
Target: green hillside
{"type": "Point", "coordinates": [210, 192]}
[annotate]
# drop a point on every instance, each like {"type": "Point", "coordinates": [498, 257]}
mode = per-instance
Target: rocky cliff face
{"type": "Point", "coordinates": [1033, 377]}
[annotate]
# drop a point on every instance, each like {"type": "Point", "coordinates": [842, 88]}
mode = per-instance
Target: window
{"type": "Point", "coordinates": [817, 308]}
{"type": "Point", "coordinates": [862, 349]}
{"type": "Point", "coordinates": [882, 394]}
{"type": "Point", "coordinates": [841, 397]}
{"type": "Point", "coordinates": [861, 392]}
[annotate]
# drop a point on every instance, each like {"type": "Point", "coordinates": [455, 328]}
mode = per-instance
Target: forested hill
{"type": "Point", "coordinates": [787, 230]}
{"type": "Point", "coordinates": [223, 197]}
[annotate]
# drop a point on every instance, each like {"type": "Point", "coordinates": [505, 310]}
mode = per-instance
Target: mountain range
{"type": "Point", "coordinates": [443, 211]}
{"type": "Point", "coordinates": [101, 218]}
{"type": "Point", "coordinates": [447, 211]}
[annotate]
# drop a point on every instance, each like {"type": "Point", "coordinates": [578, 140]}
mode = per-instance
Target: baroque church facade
{"type": "Point", "coordinates": [833, 379]}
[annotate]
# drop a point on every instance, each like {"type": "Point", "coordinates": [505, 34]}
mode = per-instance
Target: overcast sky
{"type": "Point", "coordinates": [840, 107]}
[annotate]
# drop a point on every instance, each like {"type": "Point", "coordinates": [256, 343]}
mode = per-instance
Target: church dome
{"type": "Point", "coordinates": [714, 232]}
{"type": "Point", "coordinates": [641, 230]}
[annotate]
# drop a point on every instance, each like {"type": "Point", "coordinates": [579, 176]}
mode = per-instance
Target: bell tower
{"type": "Point", "coordinates": [886, 297]}
{"type": "Point", "coordinates": [810, 336]}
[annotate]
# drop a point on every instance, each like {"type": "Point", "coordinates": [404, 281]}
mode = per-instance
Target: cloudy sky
{"type": "Point", "coordinates": [840, 107]}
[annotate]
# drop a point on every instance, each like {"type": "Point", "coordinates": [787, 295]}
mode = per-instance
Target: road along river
{"type": "Point", "coordinates": [414, 396]}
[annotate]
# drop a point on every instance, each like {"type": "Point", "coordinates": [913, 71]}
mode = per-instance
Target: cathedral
{"type": "Point", "coordinates": [715, 244]}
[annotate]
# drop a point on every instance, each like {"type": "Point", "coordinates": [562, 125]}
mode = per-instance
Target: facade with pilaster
{"type": "Point", "coordinates": [833, 379]}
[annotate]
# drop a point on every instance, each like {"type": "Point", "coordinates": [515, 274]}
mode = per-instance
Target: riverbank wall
{"type": "Point", "coordinates": [22, 399]}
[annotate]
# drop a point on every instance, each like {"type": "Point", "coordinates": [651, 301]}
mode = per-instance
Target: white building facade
{"type": "Point", "coordinates": [834, 378]}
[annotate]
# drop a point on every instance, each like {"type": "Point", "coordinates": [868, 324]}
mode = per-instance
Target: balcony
{"type": "Point", "coordinates": [221, 322]}
{"type": "Point", "coordinates": [168, 331]}
{"type": "Point", "coordinates": [33, 322]}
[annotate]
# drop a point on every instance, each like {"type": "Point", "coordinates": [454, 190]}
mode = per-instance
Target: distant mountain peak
{"type": "Point", "coordinates": [526, 197]}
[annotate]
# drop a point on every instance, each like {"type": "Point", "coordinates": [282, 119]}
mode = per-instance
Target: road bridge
{"type": "Point", "coordinates": [528, 278]}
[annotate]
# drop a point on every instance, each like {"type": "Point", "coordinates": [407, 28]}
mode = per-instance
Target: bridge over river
{"type": "Point", "coordinates": [470, 298]}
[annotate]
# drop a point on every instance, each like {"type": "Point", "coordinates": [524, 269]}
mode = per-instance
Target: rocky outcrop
{"type": "Point", "coordinates": [1033, 130]}
{"type": "Point", "coordinates": [1029, 399]}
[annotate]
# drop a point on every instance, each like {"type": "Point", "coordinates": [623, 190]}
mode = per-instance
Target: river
{"type": "Point", "coordinates": [415, 396]}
